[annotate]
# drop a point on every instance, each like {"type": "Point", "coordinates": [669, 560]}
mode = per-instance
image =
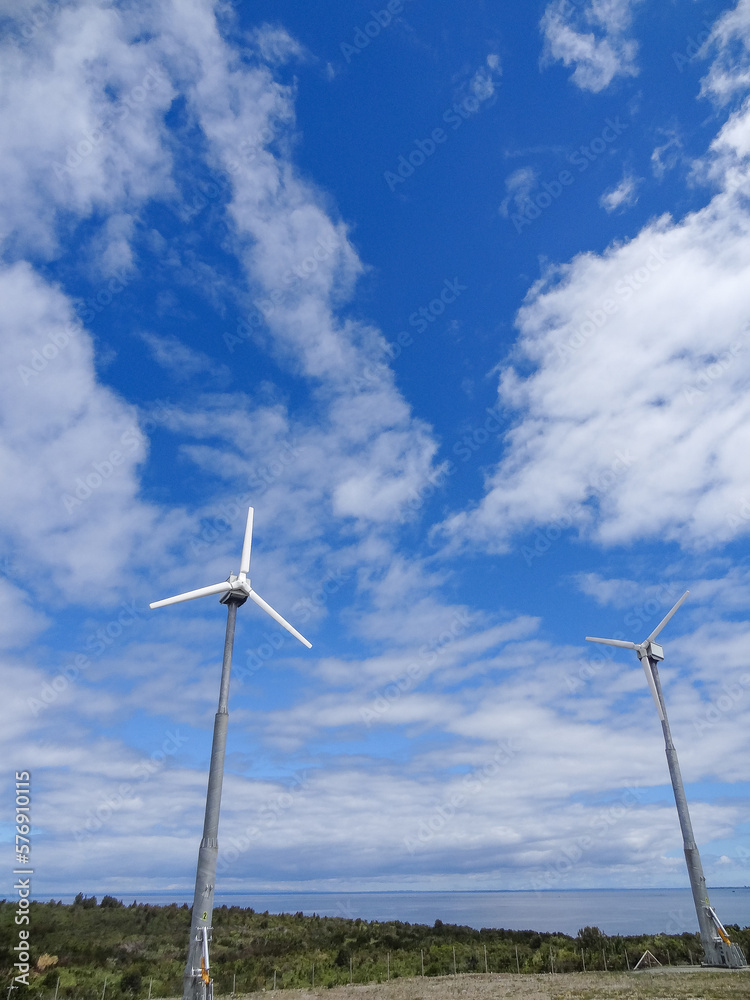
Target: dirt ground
{"type": "Point", "coordinates": [659, 985]}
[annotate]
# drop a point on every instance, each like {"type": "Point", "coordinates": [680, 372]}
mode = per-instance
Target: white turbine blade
{"type": "Point", "coordinates": [216, 588]}
{"type": "Point", "coordinates": [248, 543]}
{"type": "Point", "coordinates": [613, 642]}
{"type": "Point", "coordinates": [652, 685]}
{"type": "Point", "coordinates": [666, 618]}
{"type": "Point", "coordinates": [274, 614]}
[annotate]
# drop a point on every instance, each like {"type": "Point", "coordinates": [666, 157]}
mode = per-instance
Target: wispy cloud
{"type": "Point", "coordinates": [519, 186]}
{"type": "Point", "coordinates": [181, 361]}
{"type": "Point", "coordinates": [625, 405]}
{"type": "Point", "coordinates": [666, 156]}
{"type": "Point", "coordinates": [622, 196]}
{"type": "Point", "coordinates": [599, 54]}
{"type": "Point", "coordinates": [622, 344]}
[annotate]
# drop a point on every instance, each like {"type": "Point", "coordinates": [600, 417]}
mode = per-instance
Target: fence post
{"type": "Point", "coordinates": [454, 961]}
{"type": "Point", "coordinates": [583, 960]}
{"type": "Point", "coordinates": [486, 970]}
{"type": "Point", "coordinates": [518, 965]}
{"type": "Point", "coordinates": [421, 954]}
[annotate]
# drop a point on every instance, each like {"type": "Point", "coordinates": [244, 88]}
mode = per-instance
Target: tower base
{"type": "Point", "coordinates": [719, 955]}
{"type": "Point", "coordinates": [194, 988]}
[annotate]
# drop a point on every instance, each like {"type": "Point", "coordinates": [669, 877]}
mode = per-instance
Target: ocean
{"type": "Point", "coordinates": [613, 911]}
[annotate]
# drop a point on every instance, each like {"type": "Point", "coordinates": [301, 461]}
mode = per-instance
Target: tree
{"type": "Point", "coordinates": [131, 983]}
{"type": "Point", "coordinates": [590, 937]}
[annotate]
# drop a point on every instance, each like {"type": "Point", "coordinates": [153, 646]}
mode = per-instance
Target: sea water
{"type": "Point", "coordinates": [613, 911]}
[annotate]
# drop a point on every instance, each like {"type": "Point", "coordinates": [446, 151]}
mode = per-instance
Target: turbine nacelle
{"type": "Point", "coordinates": [239, 585]}
{"type": "Point", "coordinates": [647, 650]}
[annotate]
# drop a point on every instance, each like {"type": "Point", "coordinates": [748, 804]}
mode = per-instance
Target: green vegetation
{"type": "Point", "coordinates": [140, 946]}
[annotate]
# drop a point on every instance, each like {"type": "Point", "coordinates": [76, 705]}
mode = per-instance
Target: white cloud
{"type": "Point", "coordinates": [519, 186]}
{"type": "Point", "coordinates": [102, 122]}
{"type": "Point", "coordinates": [276, 45]}
{"type": "Point", "coordinates": [515, 817]}
{"type": "Point", "coordinates": [79, 135]}
{"type": "Point", "coordinates": [483, 82]}
{"type": "Point", "coordinates": [599, 54]}
{"type": "Point", "coordinates": [19, 621]}
{"type": "Point", "coordinates": [111, 248]}
{"type": "Point", "coordinates": [640, 357]}
{"type": "Point", "coordinates": [667, 156]}
{"type": "Point", "coordinates": [730, 38]}
{"type": "Point", "coordinates": [623, 195]}
{"type": "Point", "coordinates": [70, 447]}
{"type": "Point", "coordinates": [333, 478]}
{"type": "Point", "coordinates": [182, 361]}
{"type": "Point", "coordinates": [302, 268]}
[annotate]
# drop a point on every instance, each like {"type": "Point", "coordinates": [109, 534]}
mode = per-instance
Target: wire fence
{"type": "Point", "coordinates": [361, 967]}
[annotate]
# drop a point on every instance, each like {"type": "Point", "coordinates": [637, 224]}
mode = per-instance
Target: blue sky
{"type": "Point", "coordinates": [458, 300]}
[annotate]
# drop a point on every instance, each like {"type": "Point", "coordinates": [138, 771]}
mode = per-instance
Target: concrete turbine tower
{"type": "Point", "coordinates": [718, 950]}
{"type": "Point", "coordinates": [235, 591]}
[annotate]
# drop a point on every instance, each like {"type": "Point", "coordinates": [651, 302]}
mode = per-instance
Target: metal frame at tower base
{"type": "Point", "coordinates": [718, 949]}
{"type": "Point", "coordinates": [197, 984]}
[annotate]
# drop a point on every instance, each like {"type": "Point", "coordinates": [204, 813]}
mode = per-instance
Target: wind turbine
{"type": "Point", "coordinates": [718, 950]}
{"type": "Point", "coordinates": [235, 591]}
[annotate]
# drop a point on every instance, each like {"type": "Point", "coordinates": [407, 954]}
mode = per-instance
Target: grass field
{"type": "Point", "coordinates": [566, 986]}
